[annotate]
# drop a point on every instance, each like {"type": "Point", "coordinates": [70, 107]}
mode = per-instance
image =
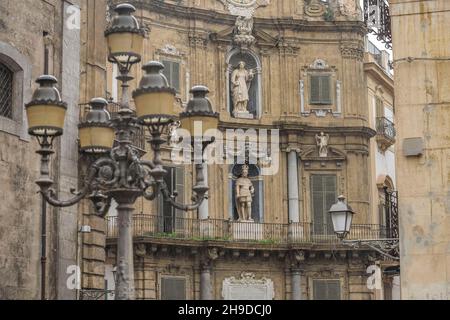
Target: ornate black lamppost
{"type": "Point", "coordinates": [342, 218]}
{"type": "Point", "coordinates": [117, 171]}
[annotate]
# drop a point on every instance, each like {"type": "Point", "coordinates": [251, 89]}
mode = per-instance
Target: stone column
{"type": "Point", "coordinates": [294, 210]}
{"type": "Point", "coordinates": [296, 283]}
{"type": "Point", "coordinates": [203, 210]}
{"type": "Point", "coordinates": [205, 283]}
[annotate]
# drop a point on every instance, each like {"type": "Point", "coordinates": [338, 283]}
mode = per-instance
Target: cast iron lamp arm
{"type": "Point", "coordinates": [197, 198]}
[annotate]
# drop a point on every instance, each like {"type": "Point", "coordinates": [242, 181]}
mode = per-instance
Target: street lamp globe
{"type": "Point", "coordinates": [124, 36]}
{"type": "Point", "coordinates": [341, 217]}
{"type": "Point", "coordinates": [199, 116]}
{"type": "Point", "coordinates": [96, 132]}
{"type": "Point", "coordinates": [46, 112]}
{"type": "Point", "coordinates": [154, 98]}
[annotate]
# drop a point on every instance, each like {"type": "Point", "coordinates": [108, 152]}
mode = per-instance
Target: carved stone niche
{"type": "Point", "coordinates": [247, 287]}
{"type": "Point", "coordinates": [313, 161]}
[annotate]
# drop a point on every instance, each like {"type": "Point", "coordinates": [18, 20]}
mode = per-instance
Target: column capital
{"type": "Point", "coordinates": [294, 148]}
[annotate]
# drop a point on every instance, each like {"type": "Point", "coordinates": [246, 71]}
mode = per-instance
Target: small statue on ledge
{"type": "Point", "coordinates": [241, 79]}
{"type": "Point", "coordinates": [322, 143]}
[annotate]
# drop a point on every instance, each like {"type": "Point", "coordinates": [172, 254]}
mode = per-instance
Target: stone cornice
{"type": "Point", "coordinates": [268, 23]}
{"type": "Point", "coordinates": [374, 70]}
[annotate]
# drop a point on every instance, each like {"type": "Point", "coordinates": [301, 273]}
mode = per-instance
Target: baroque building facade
{"type": "Point", "coordinates": [303, 77]}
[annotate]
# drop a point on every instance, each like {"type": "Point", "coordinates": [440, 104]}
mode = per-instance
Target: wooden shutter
{"type": "Point", "coordinates": [326, 290]}
{"type": "Point", "coordinates": [320, 89]}
{"type": "Point", "coordinates": [172, 73]}
{"type": "Point", "coordinates": [323, 196]}
{"type": "Point", "coordinates": [179, 187]}
{"type": "Point", "coordinates": [173, 288]}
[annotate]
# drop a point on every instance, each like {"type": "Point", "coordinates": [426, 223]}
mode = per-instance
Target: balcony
{"type": "Point", "coordinates": [138, 140]}
{"type": "Point", "coordinates": [385, 133]}
{"type": "Point", "coordinates": [227, 231]}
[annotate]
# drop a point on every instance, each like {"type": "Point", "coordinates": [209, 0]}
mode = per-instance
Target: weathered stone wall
{"type": "Point", "coordinates": [421, 44]}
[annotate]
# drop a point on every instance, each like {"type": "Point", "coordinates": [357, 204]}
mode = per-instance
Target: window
{"type": "Point", "coordinates": [173, 288]}
{"type": "Point", "coordinates": [379, 107]}
{"type": "Point", "coordinates": [324, 195]}
{"type": "Point", "coordinates": [169, 215]}
{"type": "Point", "coordinates": [326, 289]}
{"type": "Point", "coordinates": [320, 89]}
{"type": "Point", "coordinates": [172, 73]}
{"type": "Point", "coordinates": [6, 91]}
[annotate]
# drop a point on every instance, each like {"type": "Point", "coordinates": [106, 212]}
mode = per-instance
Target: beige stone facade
{"type": "Point", "coordinates": [422, 74]}
{"type": "Point", "coordinates": [291, 243]}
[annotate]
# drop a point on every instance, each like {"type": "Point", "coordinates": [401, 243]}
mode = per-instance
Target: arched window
{"type": "Point", "coordinates": [258, 200]}
{"type": "Point", "coordinates": [252, 65]}
{"type": "Point", "coordinates": [6, 91]}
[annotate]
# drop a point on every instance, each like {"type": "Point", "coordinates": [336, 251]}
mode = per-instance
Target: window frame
{"type": "Point", "coordinates": [169, 276]}
{"type": "Point", "coordinates": [22, 71]}
{"type": "Point", "coordinates": [321, 101]}
{"type": "Point", "coordinates": [11, 75]}
{"type": "Point", "coordinates": [327, 221]}
{"type": "Point", "coordinates": [173, 61]}
{"type": "Point", "coordinates": [338, 280]}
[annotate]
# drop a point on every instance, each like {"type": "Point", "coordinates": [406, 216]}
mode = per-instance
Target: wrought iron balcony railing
{"type": "Point", "coordinates": [386, 133]}
{"type": "Point", "coordinates": [232, 231]}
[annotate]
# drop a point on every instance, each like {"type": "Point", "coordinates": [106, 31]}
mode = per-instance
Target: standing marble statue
{"type": "Point", "coordinates": [244, 196]}
{"type": "Point", "coordinates": [241, 79]}
{"type": "Point", "coordinates": [322, 143]}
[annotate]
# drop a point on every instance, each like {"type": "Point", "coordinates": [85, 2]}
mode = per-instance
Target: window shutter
{"type": "Point", "coordinates": [325, 90]}
{"type": "Point", "coordinates": [324, 195]}
{"type": "Point", "coordinates": [326, 290]}
{"type": "Point", "coordinates": [379, 107]}
{"type": "Point", "coordinates": [176, 76]}
{"type": "Point", "coordinates": [320, 89]}
{"type": "Point", "coordinates": [6, 91]}
{"type": "Point", "coordinates": [315, 89]}
{"type": "Point", "coordinates": [179, 187]}
{"type": "Point", "coordinates": [317, 203]}
{"type": "Point", "coordinates": [173, 288]}
{"type": "Point", "coordinates": [172, 73]}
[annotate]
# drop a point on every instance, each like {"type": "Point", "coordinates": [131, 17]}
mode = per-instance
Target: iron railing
{"type": "Point", "coordinates": [97, 295]}
{"type": "Point", "coordinates": [386, 128]}
{"type": "Point", "coordinates": [138, 140]}
{"type": "Point", "coordinates": [233, 231]}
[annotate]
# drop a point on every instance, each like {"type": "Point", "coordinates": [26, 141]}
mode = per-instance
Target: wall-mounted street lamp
{"type": "Point", "coordinates": [342, 218]}
{"type": "Point", "coordinates": [117, 171]}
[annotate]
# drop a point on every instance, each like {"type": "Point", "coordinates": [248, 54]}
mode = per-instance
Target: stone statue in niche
{"type": "Point", "coordinates": [322, 142]}
{"type": "Point", "coordinates": [241, 80]}
{"type": "Point", "coordinates": [245, 192]}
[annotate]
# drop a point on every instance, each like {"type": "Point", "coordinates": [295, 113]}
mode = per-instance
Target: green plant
{"type": "Point", "coordinates": [328, 15]}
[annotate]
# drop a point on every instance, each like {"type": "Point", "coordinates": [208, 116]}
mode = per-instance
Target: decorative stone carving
{"type": "Point", "coordinates": [241, 80]}
{"type": "Point", "coordinates": [352, 50]}
{"type": "Point", "coordinates": [245, 8]}
{"type": "Point", "coordinates": [350, 9]}
{"type": "Point", "coordinates": [314, 8]}
{"type": "Point", "coordinates": [243, 32]}
{"type": "Point", "coordinates": [248, 288]}
{"type": "Point", "coordinates": [319, 64]}
{"type": "Point", "coordinates": [322, 143]}
{"type": "Point", "coordinates": [245, 192]}
{"type": "Point", "coordinates": [170, 50]}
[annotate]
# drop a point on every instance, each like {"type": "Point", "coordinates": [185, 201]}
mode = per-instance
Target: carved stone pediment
{"type": "Point", "coordinates": [227, 36]}
{"type": "Point", "coordinates": [312, 154]}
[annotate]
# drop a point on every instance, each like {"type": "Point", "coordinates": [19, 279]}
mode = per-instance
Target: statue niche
{"type": "Point", "coordinates": [244, 85]}
{"type": "Point", "coordinates": [246, 190]}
